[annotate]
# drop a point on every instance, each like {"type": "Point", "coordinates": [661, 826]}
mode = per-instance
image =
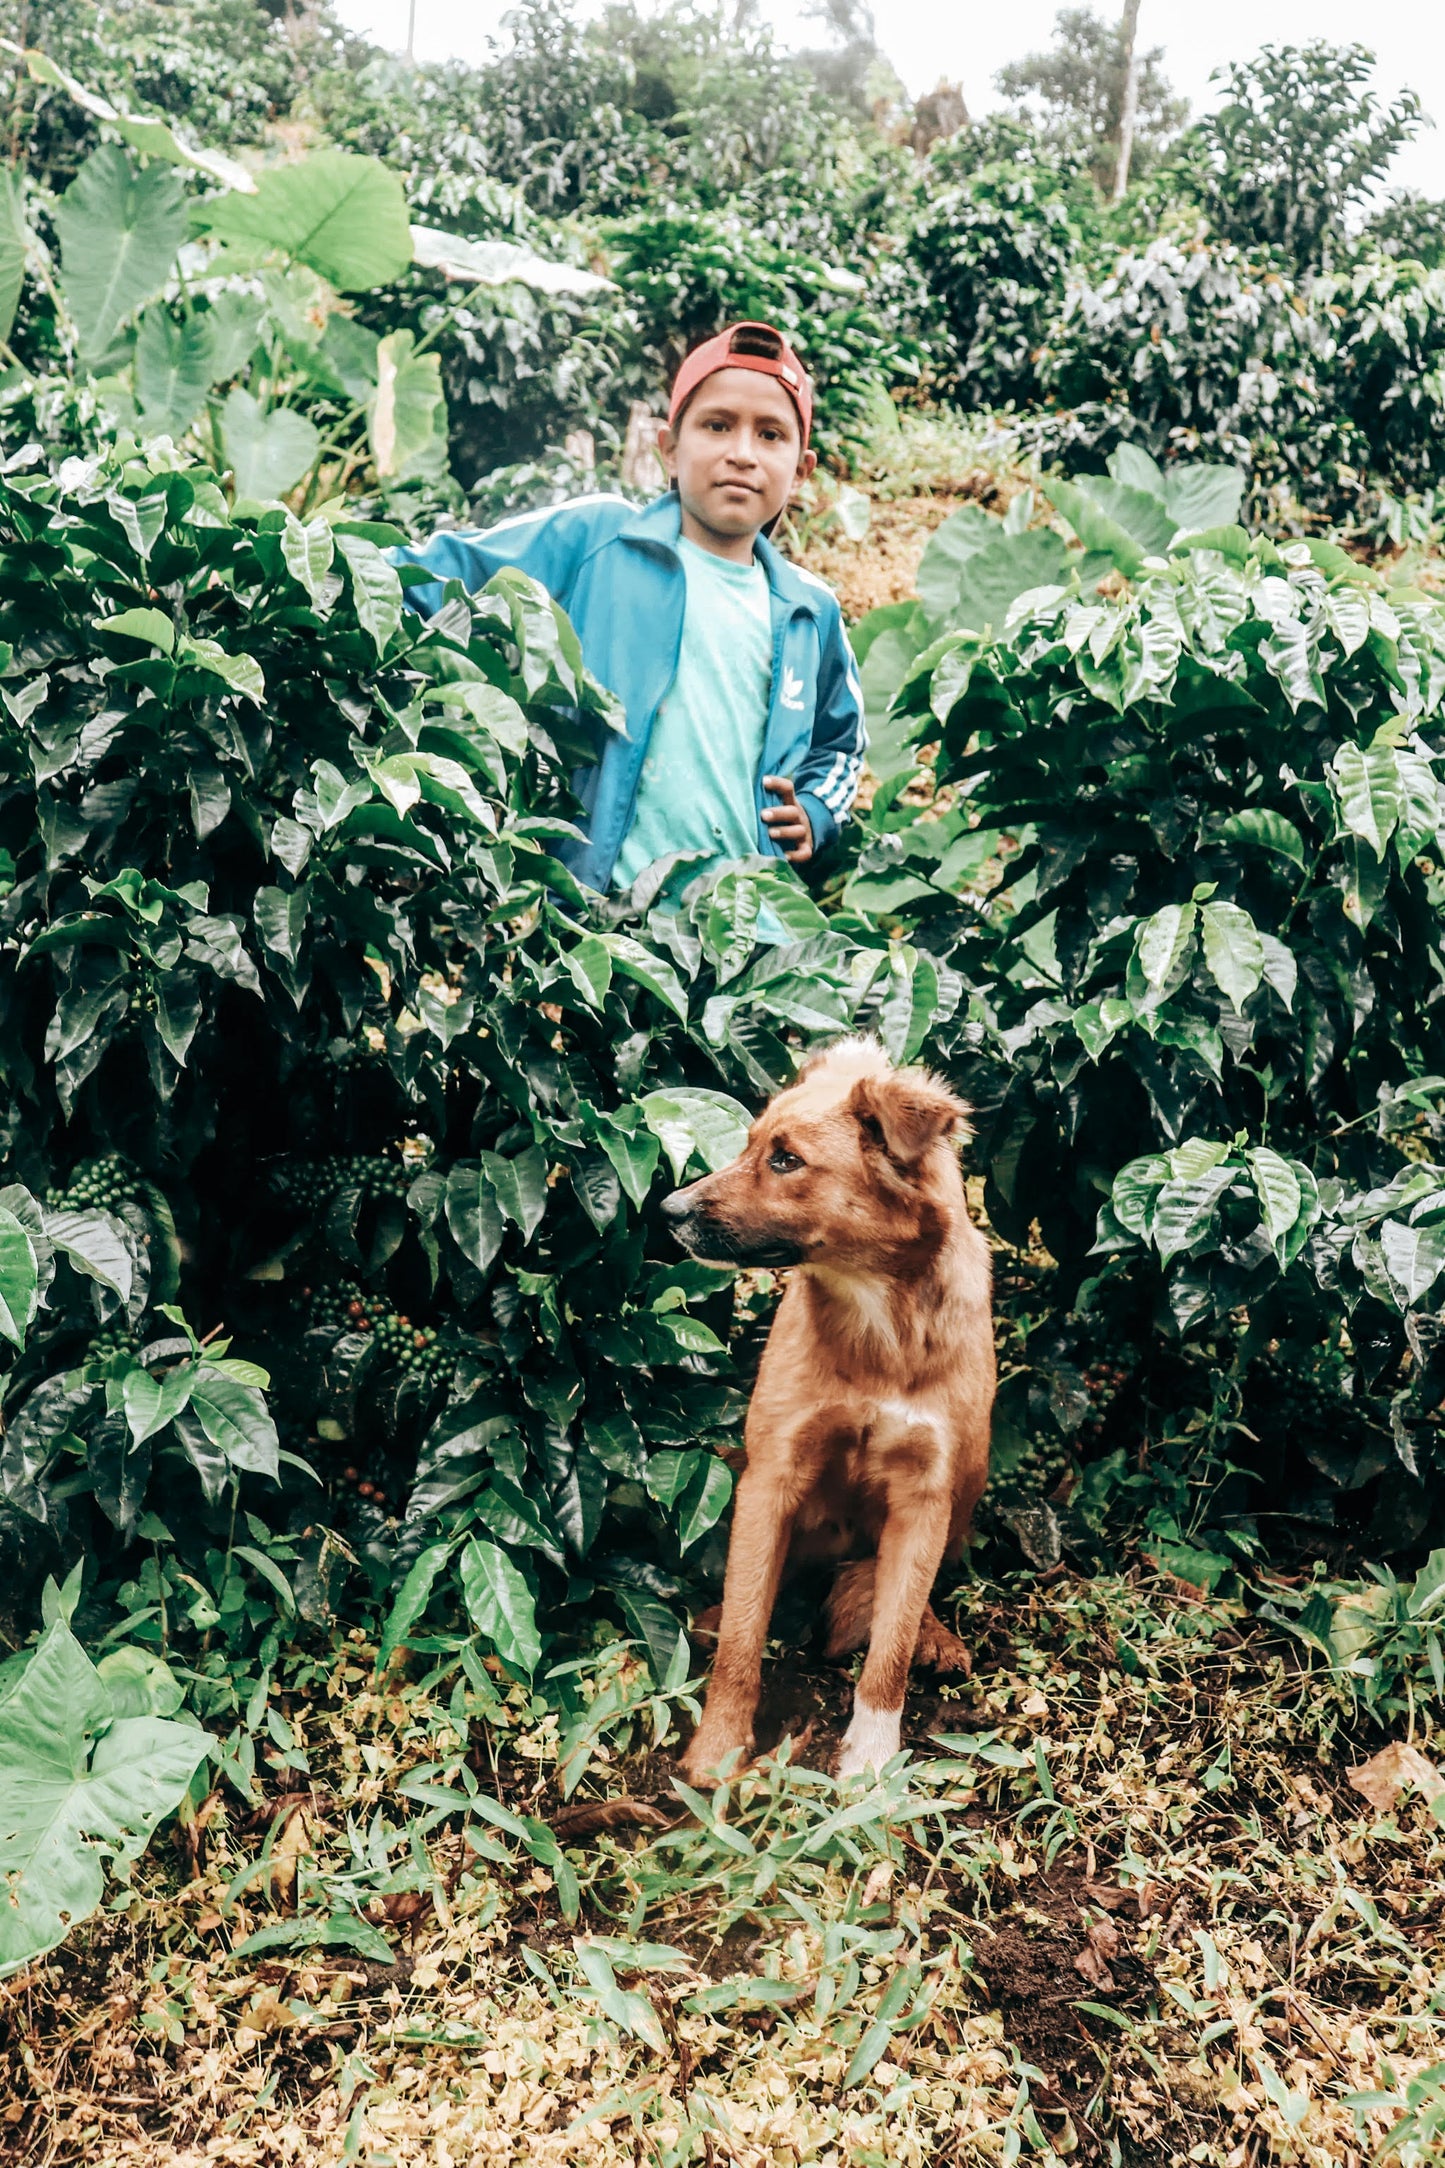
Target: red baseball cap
{"type": "Point", "coordinates": [746, 346]}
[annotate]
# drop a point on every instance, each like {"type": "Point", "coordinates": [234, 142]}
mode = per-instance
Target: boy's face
{"type": "Point", "coordinates": [736, 454]}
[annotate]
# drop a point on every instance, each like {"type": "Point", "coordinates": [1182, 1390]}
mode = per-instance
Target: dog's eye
{"type": "Point", "coordinates": [783, 1162]}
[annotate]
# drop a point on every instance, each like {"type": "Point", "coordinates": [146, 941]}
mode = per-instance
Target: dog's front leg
{"type": "Point", "coordinates": [762, 1525]}
{"type": "Point", "coordinates": [910, 1552]}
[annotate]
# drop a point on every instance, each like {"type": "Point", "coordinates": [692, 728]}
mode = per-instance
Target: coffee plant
{"type": "Point", "coordinates": [1203, 964]}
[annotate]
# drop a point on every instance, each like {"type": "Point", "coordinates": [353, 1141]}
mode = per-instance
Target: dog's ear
{"type": "Point", "coordinates": [905, 1112]}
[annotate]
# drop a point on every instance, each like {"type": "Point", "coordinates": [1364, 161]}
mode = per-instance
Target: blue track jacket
{"type": "Point", "coordinates": [617, 573]}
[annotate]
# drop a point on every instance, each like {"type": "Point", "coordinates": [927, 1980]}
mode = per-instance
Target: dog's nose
{"type": "Point", "coordinates": [677, 1206]}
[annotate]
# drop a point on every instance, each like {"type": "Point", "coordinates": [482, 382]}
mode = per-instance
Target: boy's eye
{"type": "Point", "coordinates": [782, 1161]}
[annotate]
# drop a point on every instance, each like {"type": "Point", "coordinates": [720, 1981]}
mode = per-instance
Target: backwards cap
{"type": "Point", "coordinates": [746, 346]}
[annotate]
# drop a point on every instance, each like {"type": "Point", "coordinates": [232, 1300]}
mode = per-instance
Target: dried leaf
{"type": "Point", "coordinates": [588, 1816]}
{"type": "Point", "coordinates": [1385, 1775]}
{"type": "Point", "coordinates": [876, 1886]}
{"type": "Point", "coordinates": [1102, 1943]}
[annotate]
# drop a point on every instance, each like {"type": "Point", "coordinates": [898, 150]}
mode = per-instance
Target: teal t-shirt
{"type": "Point", "coordinates": [698, 787]}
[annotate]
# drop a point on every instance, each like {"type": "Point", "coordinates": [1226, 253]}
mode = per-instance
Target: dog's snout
{"type": "Point", "coordinates": [678, 1205]}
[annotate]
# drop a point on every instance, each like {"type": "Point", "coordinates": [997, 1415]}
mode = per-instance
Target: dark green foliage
{"type": "Point", "coordinates": [996, 244]}
{"type": "Point", "coordinates": [1205, 1035]}
{"type": "Point", "coordinates": [599, 118]}
{"type": "Point", "coordinates": [1324, 389]}
{"type": "Point", "coordinates": [285, 937]}
{"type": "Point", "coordinates": [223, 68]}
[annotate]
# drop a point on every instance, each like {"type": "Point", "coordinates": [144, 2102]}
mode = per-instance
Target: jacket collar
{"type": "Point", "coordinates": [661, 523]}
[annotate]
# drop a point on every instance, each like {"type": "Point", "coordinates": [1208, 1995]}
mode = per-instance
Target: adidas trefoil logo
{"type": "Point", "coordinates": [792, 693]}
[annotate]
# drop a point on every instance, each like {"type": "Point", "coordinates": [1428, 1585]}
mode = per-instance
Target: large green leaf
{"type": "Point", "coordinates": [236, 1420]}
{"type": "Point", "coordinates": [995, 576]}
{"type": "Point", "coordinates": [342, 214]}
{"type": "Point", "coordinates": [235, 320]}
{"type": "Point", "coordinates": [1186, 1203]}
{"type": "Point", "coordinates": [501, 1605]}
{"type": "Point", "coordinates": [519, 1187]}
{"type": "Point", "coordinates": [1198, 497]}
{"type": "Point", "coordinates": [1161, 944]}
{"type": "Point", "coordinates": [95, 1244]}
{"type": "Point", "coordinates": [1280, 1196]}
{"type": "Point", "coordinates": [120, 226]}
{"type": "Point", "coordinates": [1140, 514]}
{"type": "Point", "coordinates": [14, 247]}
{"type": "Point", "coordinates": [890, 738]}
{"type": "Point", "coordinates": [375, 589]}
{"type": "Point", "coordinates": [1100, 534]}
{"type": "Point", "coordinates": [950, 547]}
{"type": "Point", "coordinates": [77, 1786]}
{"type": "Point", "coordinates": [1271, 831]}
{"type": "Point", "coordinates": [705, 1501]}
{"type": "Point", "coordinates": [649, 970]}
{"type": "Point", "coordinates": [685, 1120]}
{"type": "Point", "coordinates": [1366, 784]}
{"type": "Point", "coordinates": [174, 368]}
{"type": "Point", "coordinates": [407, 422]}
{"type": "Point", "coordinates": [499, 263]}
{"type": "Point", "coordinates": [473, 1214]}
{"type": "Point", "coordinates": [1414, 1258]}
{"type": "Point", "coordinates": [1233, 951]}
{"type": "Point", "coordinates": [411, 1601]}
{"type": "Point", "coordinates": [266, 453]}
{"type": "Point", "coordinates": [19, 1279]}
{"type": "Point", "coordinates": [152, 1399]}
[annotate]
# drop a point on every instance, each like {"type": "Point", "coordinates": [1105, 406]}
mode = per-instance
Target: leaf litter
{"type": "Point", "coordinates": [1150, 1920]}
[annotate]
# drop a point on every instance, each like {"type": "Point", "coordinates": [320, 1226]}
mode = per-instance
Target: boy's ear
{"type": "Point", "coordinates": [906, 1112]}
{"type": "Point", "coordinates": [667, 448]}
{"type": "Point", "coordinates": [806, 463]}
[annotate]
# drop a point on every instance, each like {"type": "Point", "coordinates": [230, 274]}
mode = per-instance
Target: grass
{"type": "Point", "coordinates": [1119, 1904]}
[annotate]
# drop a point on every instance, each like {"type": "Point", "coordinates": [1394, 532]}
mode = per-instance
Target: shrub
{"type": "Point", "coordinates": [1325, 390]}
{"type": "Point", "coordinates": [995, 246]}
{"type": "Point", "coordinates": [1204, 1030]}
{"type": "Point", "coordinates": [223, 67]}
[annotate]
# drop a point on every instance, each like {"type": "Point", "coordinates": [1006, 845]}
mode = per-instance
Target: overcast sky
{"type": "Point", "coordinates": [968, 43]}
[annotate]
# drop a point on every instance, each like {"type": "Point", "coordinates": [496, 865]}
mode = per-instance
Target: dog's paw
{"type": "Point", "coordinates": [714, 1761]}
{"type": "Point", "coordinates": [873, 1738]}
{"type": "Point", "coordinates": [940, 1650]}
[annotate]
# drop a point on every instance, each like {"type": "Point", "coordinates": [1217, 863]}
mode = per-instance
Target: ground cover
{"type": "Point", "coordinates": [1123, 1904]}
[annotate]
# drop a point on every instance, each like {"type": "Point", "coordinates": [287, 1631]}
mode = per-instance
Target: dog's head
{"type": "Point", "coordinates": [853, 1164]}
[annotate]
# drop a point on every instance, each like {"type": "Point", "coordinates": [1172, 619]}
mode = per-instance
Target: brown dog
{"type": "Point", "coordinates": [869, 1424]}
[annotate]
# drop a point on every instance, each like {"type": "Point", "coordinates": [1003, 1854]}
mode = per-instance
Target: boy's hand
{"type": "Point", "coordinates": [787, 823]}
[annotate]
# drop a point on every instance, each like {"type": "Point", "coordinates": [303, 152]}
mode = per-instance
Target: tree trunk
{"type": "Point", "coordinates": [1129, 110]}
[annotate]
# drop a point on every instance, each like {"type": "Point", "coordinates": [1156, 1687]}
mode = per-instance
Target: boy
{"type": "Point", "coordinates": [731, 664]}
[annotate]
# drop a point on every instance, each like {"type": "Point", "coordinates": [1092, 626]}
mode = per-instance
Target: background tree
{"type": "Point", "coordinates": [1297, 146]}
{"type": "Point", "coordinates": [1074, 93]}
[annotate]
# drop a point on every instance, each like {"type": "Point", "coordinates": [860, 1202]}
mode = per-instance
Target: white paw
{"type": "Point", "coordinates": [873, 1738]}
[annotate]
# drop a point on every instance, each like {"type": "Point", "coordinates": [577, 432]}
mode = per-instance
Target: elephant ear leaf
{"type": "Point", "coordinates": [120, 226]}
{"type": "Point", "coordinates": [79, 1785]}
{"type": "Point", "coordinates": [342, 214]}
{"type": "Point", "coordinates": [14, 248]}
